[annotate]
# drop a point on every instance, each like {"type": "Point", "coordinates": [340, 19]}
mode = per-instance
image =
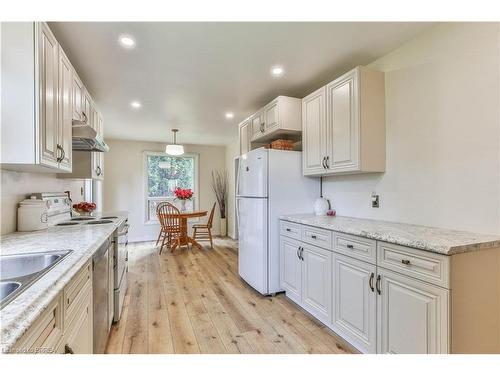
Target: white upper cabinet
{"type": "Point", "coordinates": [78, 98]}
{"type": "Point", "coordinates": [314, 135]}
{"type": "Point", "coordinates": [65, 111]}
{"type": "Point", "coordinates": [48, 58]}
{"type": "Point", "coordinates": [258, 126]}
{"type": "Point", "coordinates": [37, 102]}
{"type": "Point", "coordinates": [244, 132]}
{"type": "Point", "coordinates": [281, 118]}
{"type": "Point", "coordinates": [344, 125]}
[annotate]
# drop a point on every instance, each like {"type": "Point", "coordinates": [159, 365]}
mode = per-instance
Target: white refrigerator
{"type": "Point", "coordinates": [269, 184]}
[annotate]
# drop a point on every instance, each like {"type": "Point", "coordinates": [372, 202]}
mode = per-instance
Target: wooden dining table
{"type": "Point", "coordinates": [184, 216]}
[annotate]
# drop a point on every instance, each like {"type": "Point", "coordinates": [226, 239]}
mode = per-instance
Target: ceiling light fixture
{"type": "Point", "coordinates": [229, 115]}
{"type": "Point", "coordinates": [127, 41]}
{"type": "Point", "coordinates": [174, 149]}
{"type": "Point", "coordinates": [277, 71]}
{"type": "Point", "coordinates": [135, 104]}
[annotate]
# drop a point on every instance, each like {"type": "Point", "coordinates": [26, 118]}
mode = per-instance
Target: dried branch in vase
{"type": "Point", "coordinates": [219, 185]}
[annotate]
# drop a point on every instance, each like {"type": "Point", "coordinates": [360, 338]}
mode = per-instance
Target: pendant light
{"type": "Point", "coordinates": [174, 149]}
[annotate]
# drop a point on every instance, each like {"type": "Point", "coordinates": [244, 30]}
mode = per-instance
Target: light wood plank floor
{"type": "Point", "coordinates": [193, 301]}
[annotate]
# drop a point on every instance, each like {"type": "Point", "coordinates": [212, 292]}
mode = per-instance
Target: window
{"type": "Point", "coordinates": [163, 174]}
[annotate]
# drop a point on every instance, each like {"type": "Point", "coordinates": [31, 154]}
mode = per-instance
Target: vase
{"type": "Point", "coordinates": [183, 205]}
{"type": "Point", "coordinates": [223, 227]}
{"type": "Point", "coordinates": [321, 206]}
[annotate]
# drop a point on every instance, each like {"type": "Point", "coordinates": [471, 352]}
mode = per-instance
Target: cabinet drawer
{"type": "Point", "coordinates": [423, 265]}
{"type": "Point", "coordinates": [44, 335]}
{"type": "Point", "coordinates": [355, 247]}
{"type": "Point", "coordinates": [289, 229]}
{"type": "Point", "coordinates": [75, 291]}
{"type": "Point", "coordinates": [316, 236]}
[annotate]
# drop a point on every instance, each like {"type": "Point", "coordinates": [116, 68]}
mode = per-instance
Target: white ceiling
{"type": "Point", "coordinates": [187, 75]}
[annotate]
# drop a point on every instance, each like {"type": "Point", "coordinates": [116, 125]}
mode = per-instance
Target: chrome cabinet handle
{"type": "Point", "coordinates": [323, 162]}
{"type": "Point", "coordinates": [327, 162]}
{"type": "Point", "coordinates": [378, 285]}
{"type": "Point", "coordinates": [84, 116]}
{"type": "Point", "coordinates": [405, 261]}
{"type": "Point", "coordinates": [313, 236]}
{"type": "Point", "coordinates": [288, 230]}
{"type": "Point", "coordinates": [68, 350]}
{"type": "Point", "coordinates": [301, 252]}
{"type": "Point", "coordinates": [371, 282]}
{"type": "Point", "coordinates": [63, 156]}
{"type": "Point", "coordinates": [60, 148]}
{"type": "Point", "coordinates": [298, 252]}
{"type": "Point", "coordinates": [262, 127]}
{"type": "Point", "coordinates": [349, 246]}
{"type": "Point", "coordinates": [98, 170]}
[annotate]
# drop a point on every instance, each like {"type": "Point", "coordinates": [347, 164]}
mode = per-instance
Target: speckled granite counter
{"type": "Point", "coordinates": [438, 240]}
{"type": "Point", "coordinates": [84, 240]}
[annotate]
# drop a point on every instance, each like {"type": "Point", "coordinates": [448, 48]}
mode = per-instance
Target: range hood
{"type": "Point", "coordinates": [85, 138]}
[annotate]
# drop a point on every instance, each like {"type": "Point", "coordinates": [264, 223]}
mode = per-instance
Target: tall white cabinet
{"type": "Point", "coordinates": [343, 125]}
{"type": "Point", "coordinates": [36, 99]}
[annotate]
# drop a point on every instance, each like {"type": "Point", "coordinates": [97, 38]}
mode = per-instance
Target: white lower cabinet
{"type": "Point", "coordinates": [374, 308]}
{"type": "Point", "coordinates": [354, 302]}
{"type": "Point", "coordinates": [412, 315]}
{"type": "Point", "coordinates": [78, 337]}
{"type": "Point", "coordinates": [305, 275]}
{"type": "Point", "coordinates": [291, 268]}
{"type": "Point", "coordinates": [317, 282]}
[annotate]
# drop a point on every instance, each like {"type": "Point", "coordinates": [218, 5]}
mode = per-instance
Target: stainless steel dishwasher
{"type": "Point", "coordinates": [100, 290]}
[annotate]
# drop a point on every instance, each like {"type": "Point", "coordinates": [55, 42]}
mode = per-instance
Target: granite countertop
{"type": "Point", "coordinates": [17, 316]}
{"type": "Point", "coordinates": [437, 240]}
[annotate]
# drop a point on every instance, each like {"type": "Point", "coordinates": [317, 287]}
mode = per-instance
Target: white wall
{"type": "Point", "coordinates": [232, 151]}
{"type": "Point", "coordinates": [124, 182]}
{"type": "Point", "coordinates": [16, 185]}
{"type": "Point", "coordinates": [443, 133]}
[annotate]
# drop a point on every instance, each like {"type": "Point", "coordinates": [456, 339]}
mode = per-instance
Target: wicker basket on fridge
{"type": "Point", "coordinates": [282, 144]}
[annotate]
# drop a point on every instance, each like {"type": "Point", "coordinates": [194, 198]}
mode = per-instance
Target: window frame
{"type": "Point", "coordinates": [145, 192]}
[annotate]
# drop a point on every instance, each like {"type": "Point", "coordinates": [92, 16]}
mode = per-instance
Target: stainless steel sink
{"type": "Point", "coordinates": [7, 288]}
{"type": "Point", "coordinates": [18, 272]}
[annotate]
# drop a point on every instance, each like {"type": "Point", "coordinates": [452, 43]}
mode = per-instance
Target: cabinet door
{"type": "Point", "coordinates": [412, 316]}
{"type": "Point", "coordinates": [111, 285]}
{"type": "Point", "coordinates": [271, 116]}
{"type": "Point", "coordinates": [244, 138]}
{"type": "Point", "coordinates": [48, 88]}
{"type": "Point", "coordinates": [317, 282]}
{"type": "Point", "coordinates": [343, 123]}
{"type": "Point", "coordinates": [258, 126]}
{"type": "Point", "coordinates": [78, 98]}
{"type": "Point", "coordinates": [354, 302]}
{"type": "Point", "coordinates": [290, 268]}
{"type": "Point", "coordinates": [314, 132]}
{"type": "Point", "coordinates": [78, 336]}
{"type": "Point", "coordinates": [65, 111]}
{"type": "Point", "coordinates": [87, 108]}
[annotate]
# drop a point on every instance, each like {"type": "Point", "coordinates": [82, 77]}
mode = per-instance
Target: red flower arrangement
{"type": "Point", "coordinates": [183, 194]}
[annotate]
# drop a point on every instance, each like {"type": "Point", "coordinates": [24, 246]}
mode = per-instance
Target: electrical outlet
{"type": "Point", "coordinates": [375, 200]}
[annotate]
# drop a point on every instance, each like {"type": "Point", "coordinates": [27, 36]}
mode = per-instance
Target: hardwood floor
{"type": "Point", "coordinates": [193, 301]}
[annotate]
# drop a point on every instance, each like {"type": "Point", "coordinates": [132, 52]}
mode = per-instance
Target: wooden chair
{"type": "Point", "coordinates": [162, 233]}
{"type": "Point", "coordinates": [170, 222]}
{"type": "Point", "coordinates": [204, 231]}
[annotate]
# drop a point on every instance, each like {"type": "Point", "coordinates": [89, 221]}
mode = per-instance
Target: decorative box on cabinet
{"type": "Point", "coordinates": [36, 100]}
{"type": "Point", "coordinates": [344, 125]}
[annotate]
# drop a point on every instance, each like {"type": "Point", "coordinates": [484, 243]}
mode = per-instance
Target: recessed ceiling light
{"type": "Point", "coordinates": [277, 71]}
{"type": "Point", "coordinates": [229, 115]}
{"type": "Point", "coordinates": [127, 41]}
{"type": "Point", "coordinates": [135, 104]}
